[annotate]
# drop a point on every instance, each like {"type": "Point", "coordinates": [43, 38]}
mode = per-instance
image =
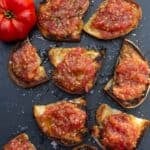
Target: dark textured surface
{"type": "Point", "coordinates": [16, 103]}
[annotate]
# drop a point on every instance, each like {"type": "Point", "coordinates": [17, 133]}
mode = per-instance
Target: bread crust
{"type": "Point", "coordinates": [18, 81]}
{"type": "Point", "coordinates": [108, 87]}
{"type": "Point", "coordinates": [72, 140]}
{"type": "Point", "coordinates": [106, 35]}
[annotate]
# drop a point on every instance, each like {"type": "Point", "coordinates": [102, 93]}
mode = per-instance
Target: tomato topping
{"type": "Point", "coordinates": [64, 118]}
{"type": "Point", "coordinates": [19, 143]}
{"type": "Point", "coordinates": [25, 63]}
{"type": "Point", "coordinates": [132, 77]}
{"type": "Point", "coordinates": [116, 15]}
{"type": "Point", "coordinates": [119, 132]}
{"type": "Point", "coordinates": [61, 18]}
{"type": "Point", "coordinates": [77, 71]}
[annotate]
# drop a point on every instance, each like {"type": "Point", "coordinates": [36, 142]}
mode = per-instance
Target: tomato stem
{"type": "Point", "coordinates": [8, 14]}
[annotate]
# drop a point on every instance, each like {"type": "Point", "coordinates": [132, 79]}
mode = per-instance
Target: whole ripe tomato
{"type": "Point", "coordinates": [17, 18]}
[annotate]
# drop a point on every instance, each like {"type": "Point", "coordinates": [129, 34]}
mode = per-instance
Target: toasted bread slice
{"type": "Point", "coordinates": [76, 69]}
{"type": "Point", "coordinates": [21, 142]}
{"type": "Point", "coordinates": [24, 66]}
{"type": "Point", "coordinates": [130, 84]}
{"type": "Point", "coordinates": [61, 20]}
{"type": "Point", "coordinates": [114, 18]}
{"type": "Point", "coordinates": [85, 147]}
{"type": "Point", "coordinates": [64, 121]}
{"type": "Point", "coordinates": [115, 128]}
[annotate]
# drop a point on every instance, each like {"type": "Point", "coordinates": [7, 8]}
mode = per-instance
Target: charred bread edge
{"type": "Point", "coordinates": [70, 37]}
{"type": "Point", "coordinates": [92, 31]}
{"type": "Point", "coordinates": [78, 102]}
{"type": "Point", "coordinates": [101, 109]}
{"type": "Point", "coordinates": [81, 147]}
{"type": "Point", "coordinates": [25, 137]}
{"type": "Point", "coordinates": [15, 79]}
{"type": "Point", "coordinates": [99, 61]}
{"type": "Point", "coordinates": [109, 85]}
{"type": "Point", "coordinates": [66, 39]}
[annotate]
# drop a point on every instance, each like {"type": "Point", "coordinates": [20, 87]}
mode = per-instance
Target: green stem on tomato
{"type": "Point", "coordinates": [8, 14]}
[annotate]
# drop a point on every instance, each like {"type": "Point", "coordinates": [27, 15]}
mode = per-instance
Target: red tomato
{"type": "Point", "coordinates": [17, 18]}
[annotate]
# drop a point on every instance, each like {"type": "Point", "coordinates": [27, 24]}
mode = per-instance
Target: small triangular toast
{"type": "Point", "coordinates": [130, 83]}
{"type": "Point", "coordinates": [21, 142]}
{"type": "Point", "coordinates": [118, 130]}
{"type": "Point", "coordinates": [25, 67]}
{"type": "Point", "coordinates": [64, 121]}
{"type": "Point", "coordinates": [75, 69]}
{"type": "Point", "coordinates": [113, 19]}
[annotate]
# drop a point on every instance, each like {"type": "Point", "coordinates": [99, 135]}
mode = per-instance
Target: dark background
{"type": "Point", "coordinates": [16, 103]}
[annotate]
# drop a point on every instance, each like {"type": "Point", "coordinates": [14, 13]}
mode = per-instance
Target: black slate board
{"type": "Point", "coordinates": [16, 103]}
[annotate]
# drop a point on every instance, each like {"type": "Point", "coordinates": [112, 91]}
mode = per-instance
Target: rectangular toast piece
{"type": "Point", "coordinates": [61, 20]}
{"type": "Point", "coordinates": [130, 83]}
{"type": "Point", "coordinates": [25, 66]}
{"type": "Point", "coordinates": [75, 69]}
{"type": "Point", "coordinates": [114, 18]}
{"type": "Point", "coordinates": [64, 121]}
{"type": "Point", "coordinates": [117, 130]}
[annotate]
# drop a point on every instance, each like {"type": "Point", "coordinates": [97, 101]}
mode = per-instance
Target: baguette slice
{"type": "Point", "coordinates": [21, 142]}
{"type": "Point", "coordinates": [124, 129]}
{"type": "Point", "coordinates": [76, 62]}
{"type": "Point", "coordinates": [63, 121]}
{"type": "Point", "coordinates": [25, 67]}
{"type": "Point", "coordinates": [130, 50]}
{"type": "Point", "coordinates": [113, 20]}
{"type": "Point", "coordinates": [61, 20]}
{"type": "Point", "coordinates": [85, 147]}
